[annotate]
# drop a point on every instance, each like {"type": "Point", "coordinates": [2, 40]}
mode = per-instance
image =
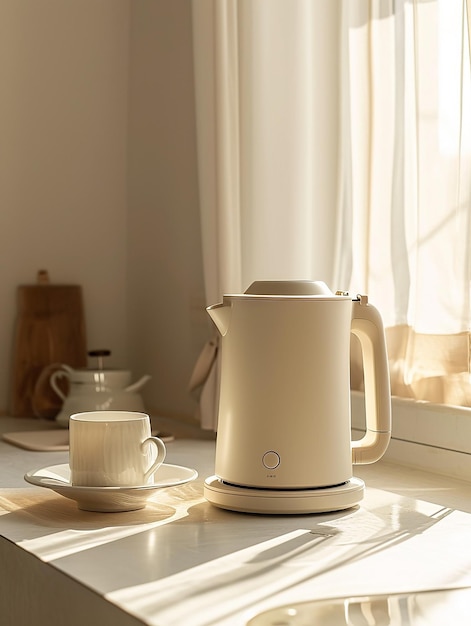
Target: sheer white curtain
{"type": "Point", "coordinates": [407, 67]}
{"type": "Point", "coordinates": [267, 112]}
{"type": "Point", "coordinates": [334, 143]}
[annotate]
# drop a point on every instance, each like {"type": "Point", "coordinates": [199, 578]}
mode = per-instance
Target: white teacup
{"type": "Point", "coordinates": [113, 449]}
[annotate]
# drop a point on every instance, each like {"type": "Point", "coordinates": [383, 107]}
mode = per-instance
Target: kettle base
{"type": "Point", "coordinates": [283, 501]}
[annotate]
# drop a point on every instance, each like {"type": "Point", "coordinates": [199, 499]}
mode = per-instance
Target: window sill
{"type": "Point", "coordinates": [432, 437]}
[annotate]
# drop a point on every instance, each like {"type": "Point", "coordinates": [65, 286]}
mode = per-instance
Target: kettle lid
{"type": "Point", "coordinates": [289, 288]}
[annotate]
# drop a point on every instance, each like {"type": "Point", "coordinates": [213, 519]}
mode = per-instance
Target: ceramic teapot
{"type": "Point", "coordinates": [284, 407]}
{"type": "Point", "coordinates": [96, 390]}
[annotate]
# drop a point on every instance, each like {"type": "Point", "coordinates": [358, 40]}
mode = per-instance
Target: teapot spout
{"type": "Point", "coordinates": [139, 384]}
{"type": "Point", "coordinates": [221, 315]}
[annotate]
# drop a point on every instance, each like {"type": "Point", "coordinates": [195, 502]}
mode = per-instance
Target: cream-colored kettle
{"type": "Point", "coordinates": [284, 410]}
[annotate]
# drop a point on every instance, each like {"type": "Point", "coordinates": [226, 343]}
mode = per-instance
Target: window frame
{"type": "Point", "coordinates": [427, 436]}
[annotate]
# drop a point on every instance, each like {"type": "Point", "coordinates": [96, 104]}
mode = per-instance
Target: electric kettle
{"type": "Point", "coordinates": [284, 426]}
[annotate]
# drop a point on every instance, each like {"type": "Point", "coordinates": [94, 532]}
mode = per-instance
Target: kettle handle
{"type": "Point", "coordinates": [53, 381]}
{"type": "Point", "coordinates": [367, 325]}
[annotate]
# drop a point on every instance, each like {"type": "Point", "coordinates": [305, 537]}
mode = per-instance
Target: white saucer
{"type": "Point", "coordinates": [109, 499]}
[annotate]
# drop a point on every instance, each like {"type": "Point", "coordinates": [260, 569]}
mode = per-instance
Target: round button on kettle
{"type": "Point", "coordinates": [271, 459]}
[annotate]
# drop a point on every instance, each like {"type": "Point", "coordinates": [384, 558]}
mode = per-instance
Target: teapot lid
{"type": "Point", "coordinates": [289, 288]}
{"type": "Point", "coordinates": [113, 377]}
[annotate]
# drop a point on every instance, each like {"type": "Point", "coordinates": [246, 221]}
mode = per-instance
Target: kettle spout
{"type": "Point", "coordinates": [138, 384]}
{"type": "Point", "coordinates": [221, 315]}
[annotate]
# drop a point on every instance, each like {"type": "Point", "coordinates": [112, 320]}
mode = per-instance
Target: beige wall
{"type": "Point", "coordinates": [168, 323]}
{"type": "Point", "coordinates": [98, 178]}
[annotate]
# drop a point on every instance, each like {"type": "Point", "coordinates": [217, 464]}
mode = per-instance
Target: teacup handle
{"type": "Point", "coordinates": [161, 453]}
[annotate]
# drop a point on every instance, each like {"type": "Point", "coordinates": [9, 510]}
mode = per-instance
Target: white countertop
{"type": "Point", "coordinates": [183, 561]}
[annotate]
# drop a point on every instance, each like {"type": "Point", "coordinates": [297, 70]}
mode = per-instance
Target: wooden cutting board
{"type": "Point", "coordinates": [50, 329]}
